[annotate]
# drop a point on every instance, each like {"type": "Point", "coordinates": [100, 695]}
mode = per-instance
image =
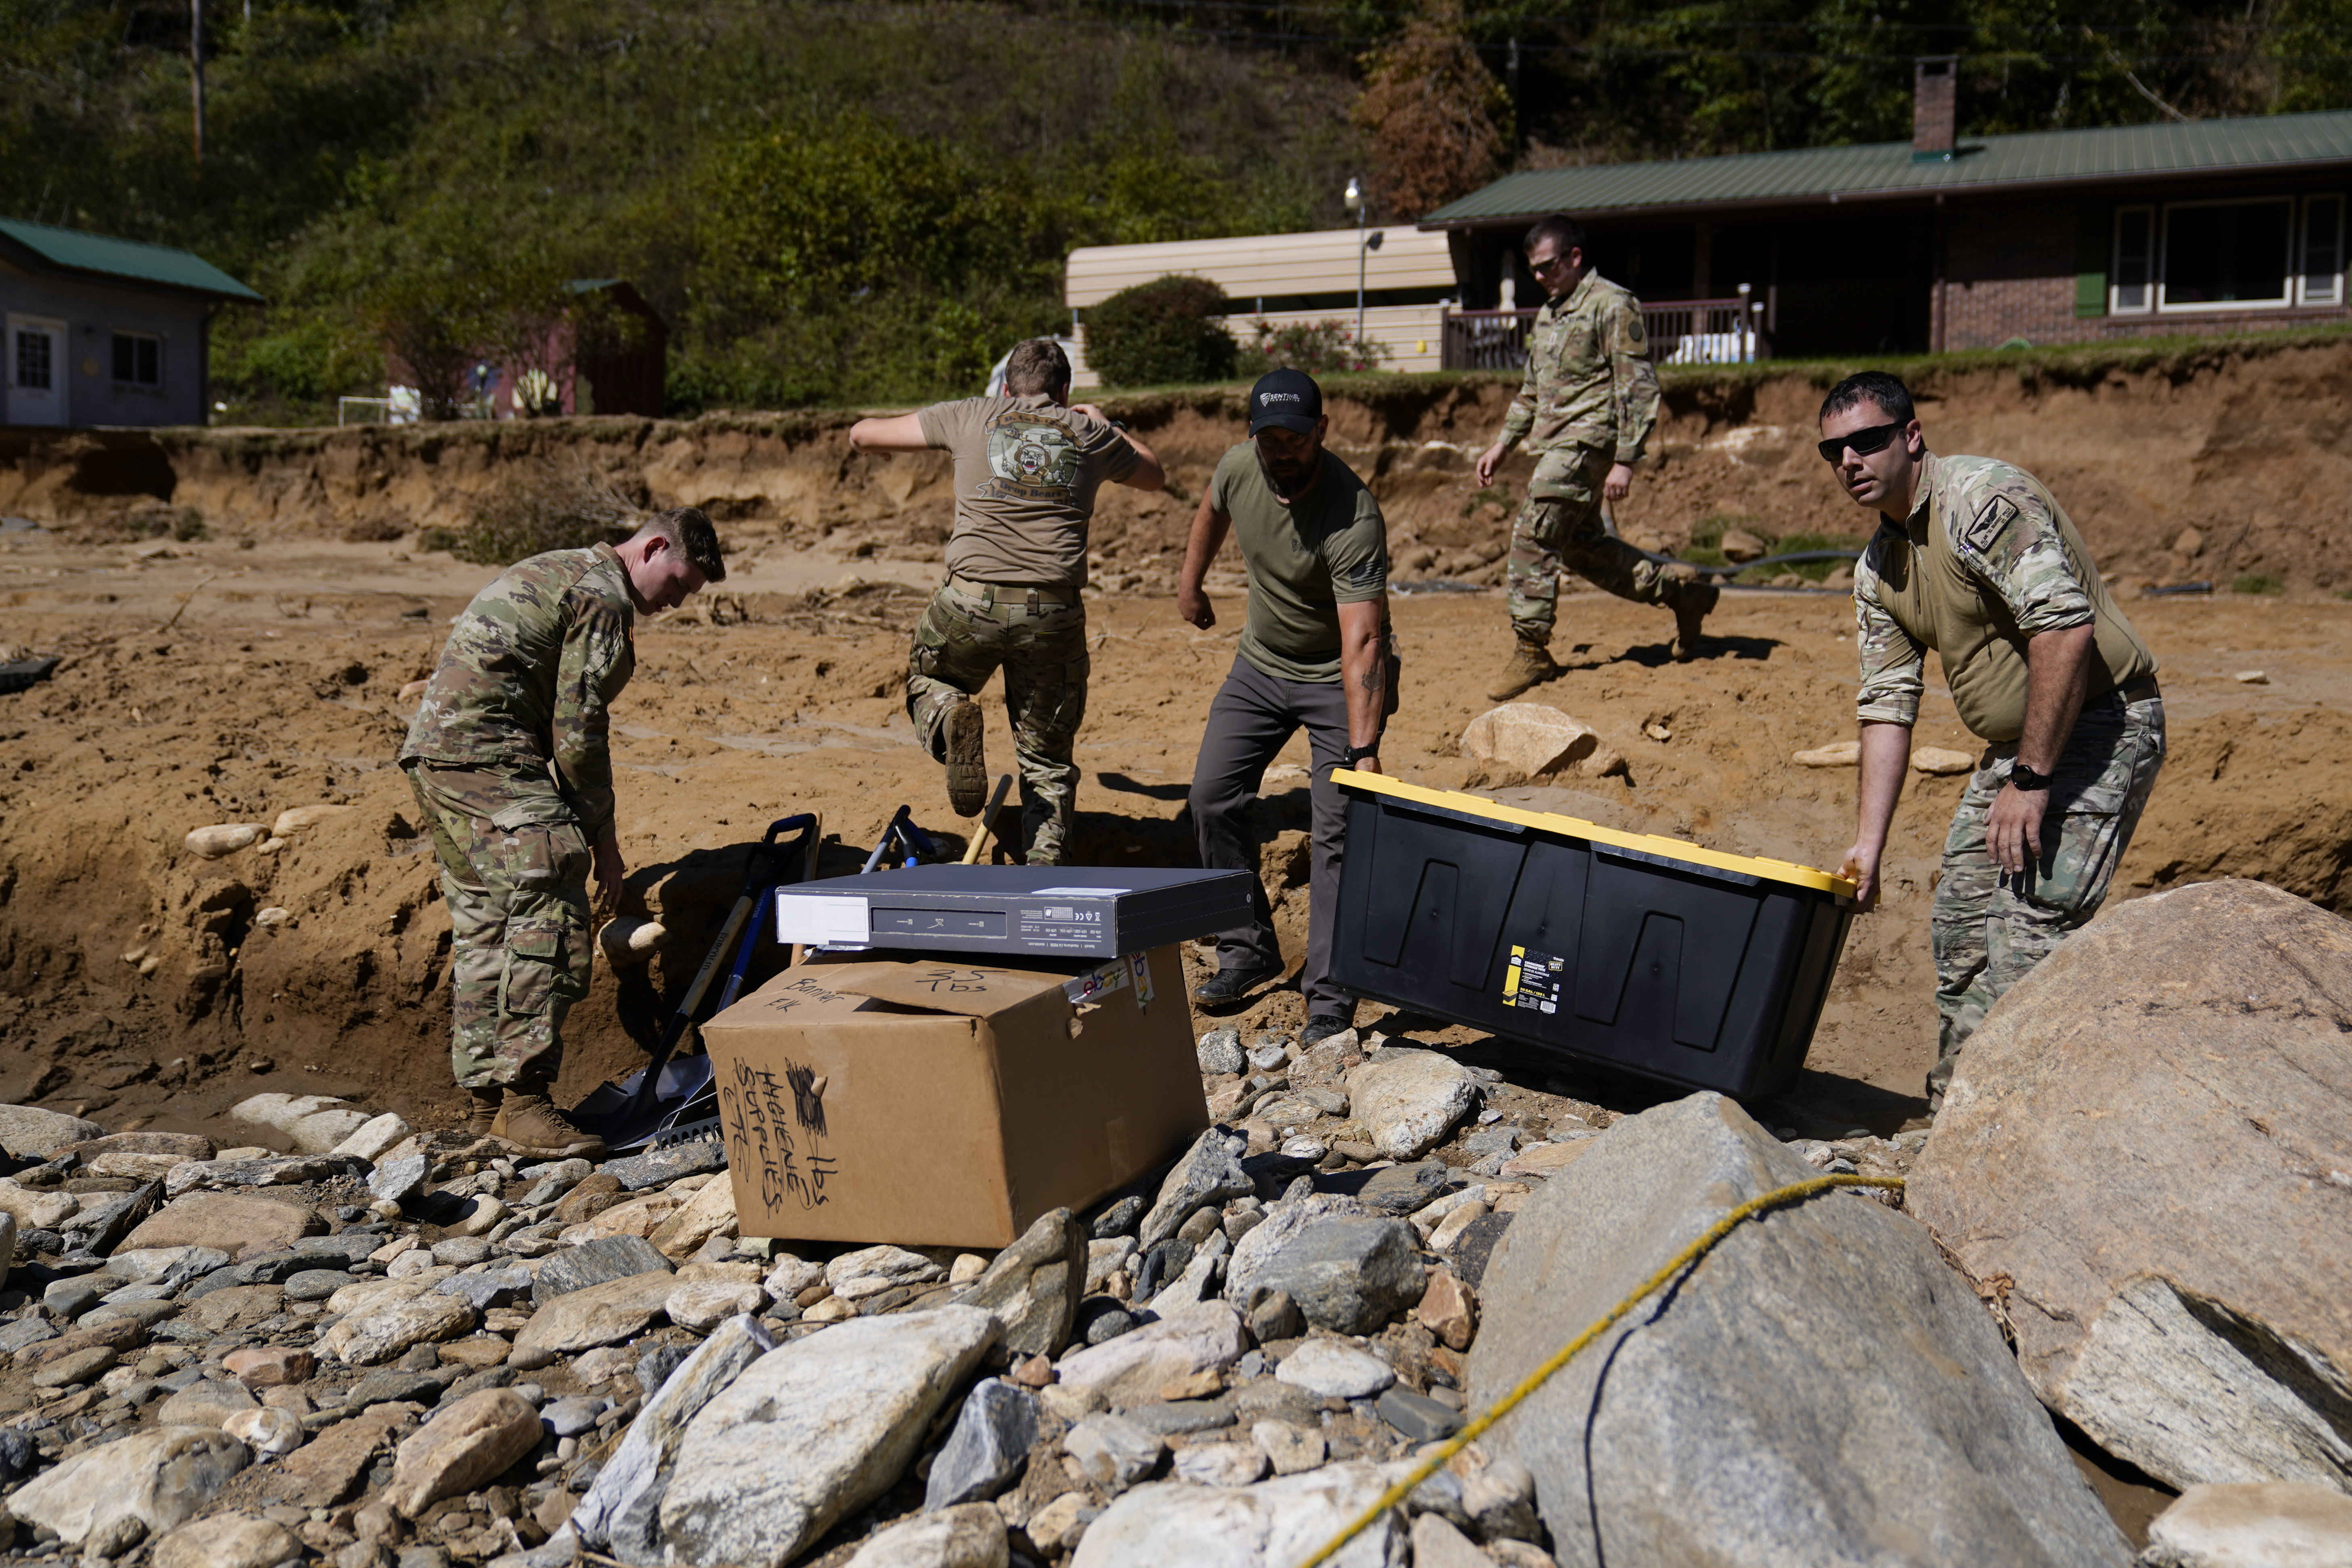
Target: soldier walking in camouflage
{"type": "Point", "coordinates": [1586, 410]}
{"type": "Point", "coordinates": [1975, 559]}
{"type": "Point", "coordinates": [509, 760]}
{"type": "Point", "coordinates": [1027, 465]}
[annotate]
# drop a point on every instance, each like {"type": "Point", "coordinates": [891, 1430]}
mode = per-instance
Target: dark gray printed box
{"type": "Point", "coordinates": [1071, 912]}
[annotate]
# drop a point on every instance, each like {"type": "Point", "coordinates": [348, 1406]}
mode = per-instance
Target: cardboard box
{"type": "Point", "coordinates": [932, 1100]}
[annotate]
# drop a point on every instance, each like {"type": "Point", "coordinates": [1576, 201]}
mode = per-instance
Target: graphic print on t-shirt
{"type": "Point", "coordinates": [1031, 459]}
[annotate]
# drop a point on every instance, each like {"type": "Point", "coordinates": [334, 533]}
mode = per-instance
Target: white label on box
{"type": "Point", "coordinates": [1079, 892]}
{"type": "Point", "coordinates": [1100, 981]}
{"type": "Point", "coordinates": [1140, 965]}
{"type": "Point", "coordinates": [821, 919]}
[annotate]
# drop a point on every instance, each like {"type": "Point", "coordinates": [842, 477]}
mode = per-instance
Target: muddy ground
{"type": "Point", "coordinates": [140, 986]}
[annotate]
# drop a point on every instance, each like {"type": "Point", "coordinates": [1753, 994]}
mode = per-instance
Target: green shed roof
{"type": "Point", "coordinates": [70, 250]}
{"type": "Point", "coordinates": [1884, 169]}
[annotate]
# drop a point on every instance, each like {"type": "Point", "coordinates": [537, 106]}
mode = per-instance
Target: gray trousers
{"type": "Point", "coordinates": [1254, 716]}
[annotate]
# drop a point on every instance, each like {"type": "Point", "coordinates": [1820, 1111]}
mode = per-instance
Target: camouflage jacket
{"type": "Point", "coordinates": [1588, 383]}
{"type": "Point", "coordinates": [1987, 561]}
{"type": "Point", "coordinates": [529, 672]}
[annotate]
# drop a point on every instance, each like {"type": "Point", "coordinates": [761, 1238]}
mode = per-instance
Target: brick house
{"type": "Point", "coordinates": [1948, 243]}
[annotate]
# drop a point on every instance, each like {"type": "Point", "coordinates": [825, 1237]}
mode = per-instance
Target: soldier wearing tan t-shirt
{"type": "Point", "coordinates": [1027, 467]}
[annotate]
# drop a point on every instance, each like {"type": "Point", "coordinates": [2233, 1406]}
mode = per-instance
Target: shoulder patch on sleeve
{"type": "Point", "coordinates": [1992, 521]}
{"type": "Point", "coordinates": [1370, 574]}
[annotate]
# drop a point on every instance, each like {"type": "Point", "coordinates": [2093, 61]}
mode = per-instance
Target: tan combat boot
{"type": "Point", "coordinates": [1693, 603]}
{"type": "Point", "coordinates": [1530, 662]}
{"type": "Point", "coordinates": [967, 763]}
{"type": "Point", "coordinates": [532, 1124]}
{"type": "Point", "coordinates": [482, 1110]}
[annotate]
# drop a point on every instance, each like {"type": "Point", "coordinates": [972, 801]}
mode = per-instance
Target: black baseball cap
{"type": "Point", "coordinates": [1287, 398]}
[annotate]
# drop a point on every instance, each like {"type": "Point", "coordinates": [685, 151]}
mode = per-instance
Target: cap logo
{"type": "Point", "coordinates": [1277, 397]}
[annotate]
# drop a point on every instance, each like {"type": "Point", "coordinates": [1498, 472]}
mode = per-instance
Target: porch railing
{"type": "Point", "coordinates": [1681, 331]}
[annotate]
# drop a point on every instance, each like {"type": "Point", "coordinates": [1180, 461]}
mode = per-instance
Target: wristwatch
{"type": "Point", "coordinates": [2026, 779]}
{"type": "Point", "coordinates": [1357, 753]}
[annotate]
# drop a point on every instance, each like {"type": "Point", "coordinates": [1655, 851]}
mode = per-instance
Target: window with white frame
{"type": "Point", "coordinates": [2322, 282]}
{"type": "Point", "coordinates": [2238, 254]}
{"type": "Point", "coordinates": [2227, 255]}
{"type": "Point", "coordinates": [138, 359]}
{"type": "Point", "coordinates": [2131, 286]}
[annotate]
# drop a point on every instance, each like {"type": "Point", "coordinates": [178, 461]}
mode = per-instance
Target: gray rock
{"type": "Point", "coordinates": [569, 1417]}
{"type": "Point", "coordinates": [390, 1385]}
{"type": "Point", "coordinates": [110, 1498]}
{"type": "Point", "coordinates": [1407, 1101]}
{"type": "Point", "coordinates": [2167, 1097]}
{"type": "Point", "coordinates": [1399, 1190]}
{"type": "Point", "coordinates": [491, 1286]}
{"type": "Point", "coordinates": [1475, 1248]}
{"type": "Point", "coordinates": [1418, 1417]}
{"type": "Point", "coordinates": [208, 1401]}
{"type": "Point", "coordinates": [1820, 1385]}
{"type": "Point", "coordinates": [1348, 1271]}
{"type": "Point", "coordinates": [1335, 1370]}
{"type": "Point", "coordinates": [1034, 1286]}
{"type": "Point", "coordinates": [592, 1263]}
{"type": "Point", "coordinates": [1104, 1319]}
{"type": "Point", "coordinates": [1220, 1052]}
{"type": "Point", "coordinates": [1210, 1173]}
{"type": "Point", "coordinates": [24, 1331]}
{"type": "Point", "coordinates": [659, 1167]}
{"type": "Point", "coordinates": [1199, 1280]}
{"type": "Point", "coordinates": [2274, 1524]}
{"type": "Point", "coordinates": [1169, 1417]}
{"type": "Point", "coordinates": [850, 1405]}
{"type": "Point", "coordinates": [986, 1447]}
{"type": "Point", "coordinates": [1273, 1315]}
{"type": "Point", "coordinates": [1502, 1140]}
{"type": "Point", "coordinates": [655, 1366]}
{"type": "Point", "coordinates": [351, 1245]}
{"type": "Point", "coordinates": [600, 1314]}
{"type": "Point", "coordinates": [67, 1299]}
{"type": "Point", "coordinates": [1171, 1524]}
{"type": "Point", "coordinates": [30, 1132]}
{"type": "Point", "coordinates": [1270, 1052]}
{"type": "Point", "coordinates": [103, 1228]}
{"type": "Point", "coordinates": [1119, 1219]}
{"type": "Point", "coordinates": [398, 1180]}
{"type": "Point", "coordinates": [315, 1284]}
{"type": "Point", "coordinates": [461, 1251]}
{"type": "Point", "coordinates": [621, 1511]}
{"type": "Point", "coordinates": [291, 1170]}
{"type": "Point", "coordinates": [1112, 1452]}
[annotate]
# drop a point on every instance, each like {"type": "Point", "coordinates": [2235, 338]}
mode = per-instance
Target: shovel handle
{"type": "Point", "coordinates": [987, 819]}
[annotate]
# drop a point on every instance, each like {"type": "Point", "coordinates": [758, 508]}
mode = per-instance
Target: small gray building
{"type": "Point", "coordinates": [105, 331]}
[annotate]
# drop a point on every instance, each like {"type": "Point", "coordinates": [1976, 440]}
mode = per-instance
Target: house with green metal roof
{"type": "Point", "coordinates": [98, 331]}
{"type": "Point", "coordinates": [1950, 242]}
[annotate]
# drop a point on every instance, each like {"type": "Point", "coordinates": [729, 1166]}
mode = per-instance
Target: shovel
{"type": "Point", "coordinates": [653, 1104]}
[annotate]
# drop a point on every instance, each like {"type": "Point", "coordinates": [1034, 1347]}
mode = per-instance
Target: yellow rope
{"type": "Point", "coordinates": [1778, 1197]}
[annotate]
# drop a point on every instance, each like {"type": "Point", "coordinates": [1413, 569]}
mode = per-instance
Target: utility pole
{"type": "Point", "coordinates": [196, 75]}
{"type": "Point", "coordinates": [1357, 205]}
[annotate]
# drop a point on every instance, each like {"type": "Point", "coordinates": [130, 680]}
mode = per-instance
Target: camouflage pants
{"type": "Point", "coordinates": [514, 872]}
{"type": "Point", "coordinates": [967, 632]}
{"type": "Point", "coordinates": [1559, 529]}
{"type": "Point", "coordinates": [1990, 928]}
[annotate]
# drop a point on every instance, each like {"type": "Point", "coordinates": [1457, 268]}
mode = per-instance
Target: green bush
{"type": "Point", "coordinates": [2254, 583]}
{"type": "Point", "coordinates": [1161, 333]}
{"type": "Point", "coordinates": [540, 510]}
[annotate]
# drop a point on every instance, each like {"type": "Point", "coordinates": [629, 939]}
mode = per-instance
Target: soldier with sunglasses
{"type": "Point", "coordinates": [1975, 559]}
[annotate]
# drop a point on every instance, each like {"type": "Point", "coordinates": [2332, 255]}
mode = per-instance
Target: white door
{"type": "Point", "coordinates": [35, 371]}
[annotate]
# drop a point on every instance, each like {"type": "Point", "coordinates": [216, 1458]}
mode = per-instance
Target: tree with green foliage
{"type": "Point", "coordinates": [1164, 332]}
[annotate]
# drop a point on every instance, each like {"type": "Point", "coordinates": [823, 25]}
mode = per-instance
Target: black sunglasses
{"type": "Point", "coordinates": [1868, 440]}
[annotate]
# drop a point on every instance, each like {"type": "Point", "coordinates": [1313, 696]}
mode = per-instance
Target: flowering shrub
{"type": "Point", "coordinates": [1316, 347]}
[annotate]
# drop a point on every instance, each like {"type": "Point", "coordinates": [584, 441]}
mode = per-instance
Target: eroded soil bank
{"type": "Point", "coordinates": [140, 983]}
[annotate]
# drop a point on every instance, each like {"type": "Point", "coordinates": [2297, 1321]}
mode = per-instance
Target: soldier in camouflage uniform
{"type": "Point", "coordinates": [1586, 408]}
{"type": "Point", "coordinates": [508, 759]}
{"type": "Point", "coordinates": [1027, 465]}
{"type": "Point", "coordinates": [1978, 560]}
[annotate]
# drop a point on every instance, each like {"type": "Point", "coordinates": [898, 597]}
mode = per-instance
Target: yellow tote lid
{"type": "Point", "coordinates": [1577, 828]}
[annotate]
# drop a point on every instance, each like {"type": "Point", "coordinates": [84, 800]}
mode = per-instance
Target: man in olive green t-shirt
{"type": "Point", "coordinates": [1315, 651]}
{"type": "Point", "coordinates": [1026, 470]}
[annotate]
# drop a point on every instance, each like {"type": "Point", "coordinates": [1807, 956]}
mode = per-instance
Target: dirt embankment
{"type": "Point", "coordinates": [2246, 448]}
{"type": "Point", "coordinates": [143, 981]}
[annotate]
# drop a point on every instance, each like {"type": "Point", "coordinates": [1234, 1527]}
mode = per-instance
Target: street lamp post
{"type": "Point", "coordinates": [1355, 200]}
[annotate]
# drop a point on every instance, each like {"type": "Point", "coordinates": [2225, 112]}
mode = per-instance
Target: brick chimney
{"type": "Point", "coordinates": [1934, 106]}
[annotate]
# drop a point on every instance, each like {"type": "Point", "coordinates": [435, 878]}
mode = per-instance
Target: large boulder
{"type": "Point", "coordinates": [2265, 1524]}
{"type": "Point", "coordinates": [849, 1407]}
{"type": "Point", "coordinates": [1409, 1100]}
{"type": "Point", "coordinates": [2145, 1160]}
{"type": "Point", "coordinates": [1033, 1285]}
{"type": "Point", "coordinates": [1821, 1387]}
{"type": "Point", "coordinates": [622, 1513]}
{"type": "Point", "coordinates": [109, 1500]}
{"type": "Point", "coordinates": [29, 1132]}
{"type": "Point", "coordinates": [1348, 1270]}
